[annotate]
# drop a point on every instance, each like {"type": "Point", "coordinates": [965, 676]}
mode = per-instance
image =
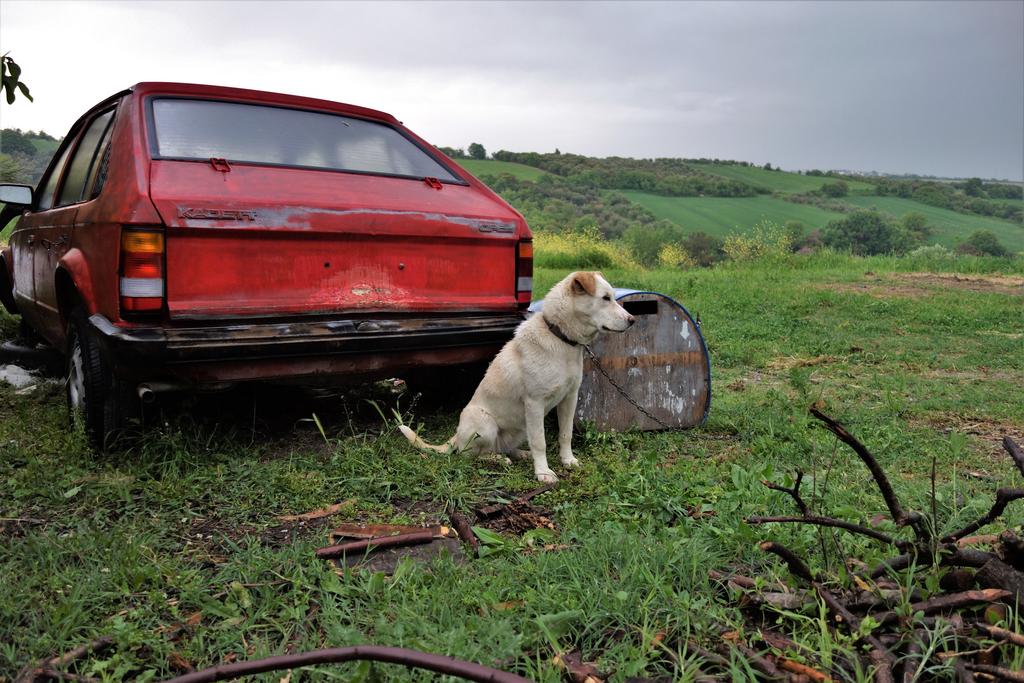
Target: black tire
{"type": "Point", "coordinates": [101, 402]}
{"type": "Point", "coordinates": [28, 336]}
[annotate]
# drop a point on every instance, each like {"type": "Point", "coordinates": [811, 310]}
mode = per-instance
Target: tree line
{"type": "Point", "coordinates": [664, 176]}
{"type": "Point", "coordinates": [971, 196]}
{"type": "Point", "coordinates": [20, 160]}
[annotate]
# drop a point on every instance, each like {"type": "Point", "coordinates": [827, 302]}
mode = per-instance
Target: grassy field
{"type": "Point", "coordinates": [176, 548]}
{"type": "Point", "coordinates": [479, 167]}
{"type": "Point", "coordinates": [777, 181]}
{"type": "Point", "coordinates": [951, 228]}
{"type": "Point", "coordinates": [723, 215]}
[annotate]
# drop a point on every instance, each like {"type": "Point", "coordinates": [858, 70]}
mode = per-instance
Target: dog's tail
{"type": "Point", "coordinates": [423, 445]}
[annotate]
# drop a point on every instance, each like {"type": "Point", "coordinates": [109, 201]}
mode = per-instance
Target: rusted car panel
{"type": "Point", "coordinates": [144, 347]}
{"type": "Point", "coordinates": [320, 248]}
{"type": "Point", "coordinates": [661, 363]}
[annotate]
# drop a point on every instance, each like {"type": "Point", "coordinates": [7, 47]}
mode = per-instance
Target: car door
{"type": "Point", "coordinates": [53, 233]}
{"type": "Point", "coordinates": [25, 239]}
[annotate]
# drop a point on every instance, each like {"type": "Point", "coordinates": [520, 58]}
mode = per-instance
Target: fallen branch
{"type": "Point", "coordinates": [879, 654]}
{"type": "Point", "coordinates": [1012, 547]}
{"type": "Point", "coordinates": [49, 666]}
{"type": "Point", "coordinates": [318, 514]}
{"type": "Point", "coordinates": [898, 563]}
{"type": "Point", "coordinates": [833, 522]}
{"type": "Point", "coordinates": [1003, 498]}
{"type": "Point", "coordinates": [47, 674]}
{"type": "Point", "coordinates": [983, 539]}
{"type": "Point", "coordinates": [783, 601]}
{"type": "Point", "coordinates": [997, 633]}
{"type": "Point", "coordinates": [953, 601]}
{"type": "Point", "coordinates": [707, 655]}
{"type": "Point", "coordinates": [912, 660]}
{"type": "Point", "coordinates": [952, 557]}
{"type": "Point", "coordinates": [756, 661]}
{"type": "Point", "coordinates": [963, 675]}
{"type": "Point", "coordinates": [381, 530]}
{"type": "Point", "coordinates": [741, 581]}
{"type": "Point", "coordinates": [795, 564]}
{"type": "Point", "coordinates": [578, 670]}
{"type": "Point", "coordinates": [371, 544]}
{"type": "Point", "coordinates": [491, 510]}
{"type": "Point", "coordinates": [1015, 452]}
{"type": "Point", "coordinates": [999, 672]}
{"type": "Point", "coordinates": [997, 573]}
{"type": "Point", "coordinates": [895, 509]}
{"type": "Point", "coordinates": [793, 493]}
{"type": "Point", "coordinates": [796, 667]}
{"type": "Point", "coordinates": [465, 531]}
{"type": "Point", "coordinates": [374, 653]}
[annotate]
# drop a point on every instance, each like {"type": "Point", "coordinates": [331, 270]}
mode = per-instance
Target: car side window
{"type": "Point", "coordinates": [83, 160]}
{"type": "Point", "coordinates": [50, 189]}
{"type": "Point", "coordinates": [98, 175]}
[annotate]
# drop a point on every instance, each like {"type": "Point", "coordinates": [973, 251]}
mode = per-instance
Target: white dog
{"type": "Point", "coordinates": [540, 368]}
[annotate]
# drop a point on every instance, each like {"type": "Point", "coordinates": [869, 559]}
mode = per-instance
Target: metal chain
{"type": "Point", "coordinates": [600, 368]}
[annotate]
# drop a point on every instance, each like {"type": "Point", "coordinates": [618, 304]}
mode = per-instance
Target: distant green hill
{"type": "Point", "coordinates": [951, 228]}
{"type": "Point", "coordinates": [723, 215]}
{"type": "Point", "coordinates": [479, 167]}
{"type": "Point", "coordinates": [44, 147]}
{"type": "Point", "coordinates": [777, 181]}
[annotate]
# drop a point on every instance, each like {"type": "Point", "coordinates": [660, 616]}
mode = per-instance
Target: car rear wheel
{"type": "Point", "coordinates": [102, 403]}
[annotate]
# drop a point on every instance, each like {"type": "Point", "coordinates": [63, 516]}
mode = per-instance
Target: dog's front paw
{"type": "Point", "coordinates": [546, 476]}
{"type": "Point", "coordinates": [570, 461]}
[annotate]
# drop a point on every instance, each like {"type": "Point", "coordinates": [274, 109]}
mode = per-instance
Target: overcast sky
{"type": "Point", "coordinates": [934, 87]}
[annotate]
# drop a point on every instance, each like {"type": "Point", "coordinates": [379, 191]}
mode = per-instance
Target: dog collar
{"type": "Point", "coordinates": [557, 331]}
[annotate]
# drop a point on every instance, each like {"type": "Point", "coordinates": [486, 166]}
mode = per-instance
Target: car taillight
{"type": "Point", "coordinates": [524, 273]}
{"type": "Point", "coordinates": [142, 270]}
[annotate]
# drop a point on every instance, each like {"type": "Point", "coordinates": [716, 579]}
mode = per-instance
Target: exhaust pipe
{"type": "Point", "coordinates": [147, 391]}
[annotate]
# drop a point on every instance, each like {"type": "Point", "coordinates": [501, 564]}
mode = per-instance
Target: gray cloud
{"type": "Point", "coordinates": [934, 87]}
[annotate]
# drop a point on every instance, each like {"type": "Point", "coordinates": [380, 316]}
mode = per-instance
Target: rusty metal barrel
{"type": "Point", "coordinates": [660, 364]}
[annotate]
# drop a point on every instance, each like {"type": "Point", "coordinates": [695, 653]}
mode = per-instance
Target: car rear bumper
{"type": "Point", "coordinates": [275, 350]}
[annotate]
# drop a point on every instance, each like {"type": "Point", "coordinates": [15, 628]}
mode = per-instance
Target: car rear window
{"type": "Point", "coordinates": [246, 133]}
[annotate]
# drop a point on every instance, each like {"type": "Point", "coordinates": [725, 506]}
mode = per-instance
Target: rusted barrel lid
{"type": "Point", "coordinates": [661, 364]}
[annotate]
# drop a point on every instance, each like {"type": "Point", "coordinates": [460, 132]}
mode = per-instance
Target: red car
{"type": "Point", "coordinates": [188, 236]}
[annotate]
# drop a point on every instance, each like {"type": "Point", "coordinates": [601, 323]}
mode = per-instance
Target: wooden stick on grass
{"type": "Point", "coordinates": [371, 544]}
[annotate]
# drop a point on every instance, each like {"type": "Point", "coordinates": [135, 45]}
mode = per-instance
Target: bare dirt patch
{"type": "Point", "coordinates": [920, 285]}
{"type": "Point", "coordinates": [790, 362]}
{"type": "Point", "coordinates": [989, 433]}
{"type": "Point", "coordinates": [980, 373]}
{"type": "Point", "coordinates": [518, 517]}
{"type": "Point", "coordinates": [989, 284]}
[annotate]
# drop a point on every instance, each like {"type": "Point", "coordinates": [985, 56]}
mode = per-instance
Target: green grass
{"type": "Point", "coordinates": [951, 228]}
{"type": "Point", "coordinates": [166, 547]}
{"type": "Point", "coordinates": [777, 181]}
{"type": "Point", "coordinates": [479, 167]}
{"type": "Point", "coordinates": [723, 215]}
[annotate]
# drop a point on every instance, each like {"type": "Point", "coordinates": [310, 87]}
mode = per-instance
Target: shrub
{"type": "Point", "coordinates": [835, 190]}
{"type": "Point", "coordinates": [578, 250]}
{"type": "Point", "coordinates": [865, 233]}
{"type": "Point", "coordinates": [674, 256]}
{"type": "Point", "coordinates": [645, 242]}
{"type": "Point", "coordinates": [983, 243]}
{"type": "Point", "coordinates": [931, 251]}
{"type": "Point", "coordinates": [766, 239]}
{"type": "Point", "coordinates": [916, 223]}
{"type": "Point", "coordinates": [703, 248]}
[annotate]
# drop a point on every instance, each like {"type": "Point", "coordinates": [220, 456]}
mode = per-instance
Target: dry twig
{"type": "Point", "coordinates": [370, 544]}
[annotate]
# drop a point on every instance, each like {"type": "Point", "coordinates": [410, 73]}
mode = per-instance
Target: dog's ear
{"type": "Point", "coordinates": [584, 283]}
